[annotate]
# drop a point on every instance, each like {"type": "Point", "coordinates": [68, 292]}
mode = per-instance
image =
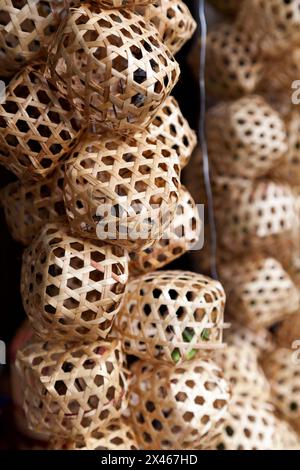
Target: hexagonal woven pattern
{"type": "Point", "coordinates": [259, 340]}
{"type": "Point", "coordinates": [240, 368]}
{"type": "Point", "coordinates": [183, 233]}
{"type": "Point", "coordinates": [173, 21]}
{"type": "Point", "coordinates": [177, 408]}
{"type": "Point", "coordinates": [282, 370]}
{"type": "Point", "coordinates": [123, 3]}
{"type": "Point", "coordinates": [27, 28]}
{"type": "Point", "coordinates": [114, 66]}
{"type": "Point", "coordinates": [122, 189]}
{"type": "Point", "coordinates": [38, 125]}
{"type": "Point", "coordinates": [72, 288]}
{"type": "Point", "coordinates": [172, 129]}
{"type": "Point", "coordinates": [169, 316]}
{"type": "Point", "coordinates": [227, 6]}
{"type": "Point", "coordinates": [260, 292]}
{"type": "Point", "coordinates": [246, 137]}
{"type": "Point", "coordinates": [30, 207]}
{"type": "Point", "coordinates": [276, 22]}
{"type": "Point", "coordinates": [252, 214]}
{"type": "Point", "coordinates": [233, 65]}
{"type": "Point", "coordinates": [72, 390]}
{"type": "Point", "coordinates": [116, 436]}
{"type": "Point", "coordinates": [249, 425]}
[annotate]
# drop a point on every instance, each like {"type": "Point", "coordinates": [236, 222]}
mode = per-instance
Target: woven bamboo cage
{"type": "Point", "coordinates": [72, 390]}
{"type": "Point", "coordinates": [260, 292]}
{"type": "Point", "coordinates": [240, 368]}
{"type": "Point", "coordinates": [72, 288]}
{"type": "Point", "coordinates": [122, 189]}
{"type": "Point", "coordinates": [26, 29]}
{"type": "Point", "coordinates": [180, 237]}
{"type": "Point", "coordinates": [229, 7]}
{"type": "Point", "coordinates": [30, 207]}
{"type": "Point", "coordinates": [276, 22]}
{"type": "Point", "coordinates": [171, 316]}
{"type": "Point", "coordinates": [287, 332]}
{"type": "Point", "coordinates": [246, 137]}
{"type": "Point", "coordinates": [116, 436]}
{"type": "Point", "coordinates": [38, 125]}
{"type": "Point", "coordinates": [249, 425]}
{"type": "Point", "coordinates": [256, 214]}
{"type": "Point", "coordinates": [282, 370]}
{"type": "Point", "coordinates": [177, 408]}
{"type": "Point", "coordinates": [173, 21]}
{"type": "Point", "coordinates": [172, 129]}
{"type": "Point", "coordinates": [234, 67]}
{"type": "Point", "coordinates": [114, 67]}
{"type": "Point", "coordinates": [260, 340]}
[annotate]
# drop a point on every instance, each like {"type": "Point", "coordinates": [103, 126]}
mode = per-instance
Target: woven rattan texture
{"type": "Point", "coordinates": [249, 425]}
{"type": "Point", "coordinates": [116, 436]}
{"type": "Point", "coordinates": [72, 390]}
{"type": "Point", "coordinates": [276, 24]}
{"type": "Point", "coordinates": [38, 126]}
{"type": "Point", "coordinates": [242, 371]}
{"type": "Point", "coordinates": [259, 290]}
{"type": "Point", "coordinates": [114, 66]}
{"type": "Point", "coordinates": [260, 339]}
{"type": "Point", "coordinates": [173, 21]}
{"type": "Point", "coordinates": [122, 189]}
{"type": "Point", "coordinates": [170, 316]}
{"type": "Point", "coordinates": [72, 288]}
{"type": "Point", "coordinates": [255, 214]}
{"type": "Point", "coordinates": [182, 234]}
{"type": "Point", "coordinates": [172, 129]}
{"type": "Point", "coordinates": [230, 7]}
{"type": "Point", "coordinates": [29, 207]}
{"type": "Point", "coordinates": [26, 29]}
{"type": "Point", "coordinates": [233, 65]}
{"type": "Point", "coordinates": [282, 370]}
{"type": "Point", "coordinates": [289, 169]}
{"type": "Point", "coordinates": [177, 408]}
{"type": "Point", "coordinates": [246, 137]}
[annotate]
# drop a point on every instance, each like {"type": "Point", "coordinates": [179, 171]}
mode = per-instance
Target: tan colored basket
{"type": "Point", "coordinates": [260, 340]}
{"type": "Point", "coordinates": [179, 238]}
{"type": "Point", "coordinates": [249, 425]}
{"type": "Point", "coordinates": [282, 369]}
{"type": "Point", "coordinates": [177, 408]}
{"type": "Point", "coordinates": [288, 331]}
{"type": "Point", "coordinates": [38, 126]}
{"type": "Point", "coordinates": [122, 189]}
{"type": "Point", "coordinates": [234, 67]}
{"type": "Point", "coordinates": [173, 21]}
{"type": "Point", "coordinates": [276, 22]}
{"type": "Point", "coordinates": [114, 67]}
{"type": "Point", "coordinates": [28, 207]}
{"type": "Point", "coordinates": [259, 291]}
{"type": "Point", "coordinates": [72, 288]}
{"type": "Point", "coordinates": [289, 169]}
{"type": "Point", "coordinates": [241, 370]}
{"type": "Point", "coordinates": [170, 316]}
{"type": "Point", "coordinates": [246, 137]}
{"type": "Point", "coordinates": [229, 7]}
{"type": "Point", "coordinates": [123, 3]}
{"type": "Point", "coordinates": [26, 29]}
{"type": "Point", "coordinates": [288, 439]}
{"type": "Point", "coordinates": [72, 390]}
{"type": "Point", "coordinates": [118, 435]}
{"type": "Point", "coordinates": [255, 214]}
{"type": "Point", "coordinates": [172, 129]}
